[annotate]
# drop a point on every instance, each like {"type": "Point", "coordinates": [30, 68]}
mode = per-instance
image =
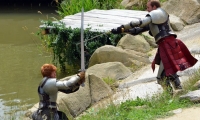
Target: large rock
{"type": "Point", "coordinates": [143, 91]}
{"type": "Point", "coordinates": [94, 90]}
{"type": "Point", "coordinates": [113, 70]}
{"type": "Point", "coordinates": [176, 23]}
{"type": "Point", "coordinates": [110, 53]}
{"type": "Point", "coordinates": [96, 85]}
{"type": "Point", "coordinates": [193, 96]}
{"type": "Point", "coordinates": [150, 39]}
{"type": "Point", "coordinates": [187, 10]}
{"type": "Point", "coordinates": [136, 43]}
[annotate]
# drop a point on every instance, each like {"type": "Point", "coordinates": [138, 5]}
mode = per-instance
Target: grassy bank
{"type": "Point", "coordinates": [145, 109]}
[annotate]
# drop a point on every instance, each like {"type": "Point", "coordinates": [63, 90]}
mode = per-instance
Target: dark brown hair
{"type": "Point", "coordinates": [47, 69]}
{"type": "Point", "coordinates": [155, 3]}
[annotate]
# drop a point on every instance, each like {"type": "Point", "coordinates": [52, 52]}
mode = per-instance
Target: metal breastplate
{"type": "Point", "coordinates": [159, 31]}
{"type": "Point", "coordinates": [44, 97]}
{"type": "Point", "coordinates": [160, 25]}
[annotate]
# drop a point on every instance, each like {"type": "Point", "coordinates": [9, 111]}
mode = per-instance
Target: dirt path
{"type": "Point", "coordinates": [185, 114]}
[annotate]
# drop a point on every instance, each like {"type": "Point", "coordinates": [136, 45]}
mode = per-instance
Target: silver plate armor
{"type": "Point", "coordinates": [158, 21]}
{"type": "Point", "coordinates": [52, 86]}
{"type": "Point", "coordinates": [160, 25]}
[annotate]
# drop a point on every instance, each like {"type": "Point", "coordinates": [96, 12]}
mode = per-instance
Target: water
{"type": "Point", "coordinates": [21, 56]}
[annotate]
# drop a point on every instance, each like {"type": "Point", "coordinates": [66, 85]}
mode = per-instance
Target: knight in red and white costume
{"type": "Point", "coordinates": [172, 54]}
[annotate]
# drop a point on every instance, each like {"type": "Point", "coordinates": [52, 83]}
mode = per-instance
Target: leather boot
{"type": "Point", "coordinates": [176, 80]}
{"type": "Point", "coordinates": [177, 83]}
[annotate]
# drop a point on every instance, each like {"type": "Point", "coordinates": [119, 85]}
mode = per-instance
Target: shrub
{"type": "Point", "coordinates": [65, 43]}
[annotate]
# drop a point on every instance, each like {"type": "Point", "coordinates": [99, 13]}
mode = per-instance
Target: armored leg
{"type": "Point", "coordinates": [175, 79]}
{"type": "Point", "coordinates": [161, 76]}
{"type": "Point", "coordinates": [160, 73]}
{"type": "Point", "coordinates": [163, 80]}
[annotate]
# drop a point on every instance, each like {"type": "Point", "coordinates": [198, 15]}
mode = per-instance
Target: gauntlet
{"type": "Point", "coordinates": [82, 77]}
{"type": "Point", "coordinates": [118, 30]}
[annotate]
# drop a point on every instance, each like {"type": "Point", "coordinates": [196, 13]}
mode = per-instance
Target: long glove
{"type": "Point", "coordinates": [118, 30]}
{"type": "Point", "coordinates": [82, 77]}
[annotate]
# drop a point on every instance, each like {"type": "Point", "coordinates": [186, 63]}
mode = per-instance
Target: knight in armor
{"type": "Point", "coordinates": [48, 89]}
{"type": "Point", "coordinates": [172, 54]}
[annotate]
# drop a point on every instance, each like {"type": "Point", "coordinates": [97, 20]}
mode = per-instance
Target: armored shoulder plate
{"type": "Point", "coordinates": [158, 16]}
{"type": "Point", "coordinates": [51, 89]}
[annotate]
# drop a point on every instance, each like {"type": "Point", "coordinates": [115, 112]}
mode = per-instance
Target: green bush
{"type": "Point", "coordinates": [65, 44]}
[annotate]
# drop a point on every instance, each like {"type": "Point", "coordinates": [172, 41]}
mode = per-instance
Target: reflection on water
{"type": "Point", "coordinates": [21, 56]}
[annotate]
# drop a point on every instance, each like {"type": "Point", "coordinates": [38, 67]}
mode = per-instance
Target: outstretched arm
{"type": "Point", "coordinates": [138, 25]}
{"type": "Point", "coordinates": [137, 30]}
{"type": "Point", "coordinates": [71, 85]}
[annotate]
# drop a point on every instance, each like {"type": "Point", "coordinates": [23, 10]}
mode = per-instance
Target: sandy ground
{"type": "Point", "coordinates": [185, 114]}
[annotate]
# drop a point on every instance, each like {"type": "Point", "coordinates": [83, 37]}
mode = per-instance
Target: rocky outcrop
{"type": "Point", "coordinates": [110, 53]}
{"type": "Point", "coordinates": [113, 70]}
{"type": "Point", "coordinates": [130, 50]}
{"type": "Point", "coordinates": [193, 96]}
{"type": "Point", "coordinates": [176, 23]}
{"type": "Point", "coordinates": [187, 10]}
{"type": "Point", "coordinates": [136, 43]}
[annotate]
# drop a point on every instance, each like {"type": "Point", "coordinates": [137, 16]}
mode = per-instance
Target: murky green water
{"type": "Point", "coordinates": [21, 56]}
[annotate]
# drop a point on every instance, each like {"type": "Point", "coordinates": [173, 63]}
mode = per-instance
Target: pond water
{"type": "Point", "coordinates": [21, 56]}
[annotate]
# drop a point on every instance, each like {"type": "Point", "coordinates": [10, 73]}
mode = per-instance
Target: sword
{"type": "Point", "coordinates": [105, 33]}
{"type": "Point", "coordinates": [82, 44]}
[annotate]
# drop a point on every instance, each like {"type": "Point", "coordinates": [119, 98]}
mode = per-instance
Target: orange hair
{"type": "Point", "coordinates": [47, 69]}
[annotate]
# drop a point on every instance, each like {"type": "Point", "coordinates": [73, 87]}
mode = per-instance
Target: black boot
{"type": "Point", "coordinates": [177, 83]}
{"type": "Point", "coordinates": [176, 80]}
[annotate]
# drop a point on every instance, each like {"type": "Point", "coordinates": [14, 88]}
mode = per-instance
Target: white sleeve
{"type": "Point", "coordinates": [68, 84]}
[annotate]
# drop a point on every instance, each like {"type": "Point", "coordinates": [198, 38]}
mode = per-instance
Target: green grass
{"type": "Point", "coordinates": [139, 109]}
{"type": "Point", "coordinates": [111, 82]}
{"type": "Point", "coordinates": [145, 109]}
{"type": "Point", "coordinates": [163, 1]}
{"type": "Point", "coordinates": [70, 7]}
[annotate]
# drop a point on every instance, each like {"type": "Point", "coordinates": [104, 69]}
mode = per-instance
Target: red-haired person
{"type": "Point", "coordinates": [172, 54]}
{"type": "Point", "coordinates": [48, 89]}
